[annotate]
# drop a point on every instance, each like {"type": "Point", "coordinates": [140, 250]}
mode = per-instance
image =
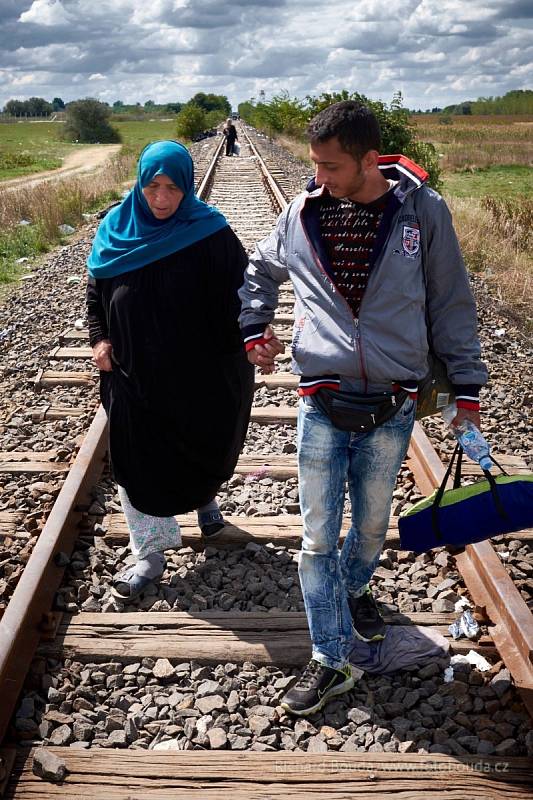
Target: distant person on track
{"type": "Point", "coordinates": [352, 246]}
{"type": "Point", "coordinates": [230, 132]}
{"type": "Point", "coordinates": [164, 272]}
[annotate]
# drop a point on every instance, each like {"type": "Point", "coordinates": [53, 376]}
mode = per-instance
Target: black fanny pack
{"type": "Point", "coordinates": [358, 413]}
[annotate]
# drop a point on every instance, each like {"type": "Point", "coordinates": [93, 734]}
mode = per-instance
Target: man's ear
{"type": "Point", "coordinates": [370, 159]}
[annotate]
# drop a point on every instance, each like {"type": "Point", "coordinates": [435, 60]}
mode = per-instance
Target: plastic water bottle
{"type": "Point", "coordinates": [469, 437]}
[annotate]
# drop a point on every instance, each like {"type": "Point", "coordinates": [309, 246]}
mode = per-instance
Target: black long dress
{"type": "Point", "coordinates": [179, 396]}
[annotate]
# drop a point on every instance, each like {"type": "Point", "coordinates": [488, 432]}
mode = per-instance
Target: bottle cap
{"type": "Point", "coordinates": [485, 463]}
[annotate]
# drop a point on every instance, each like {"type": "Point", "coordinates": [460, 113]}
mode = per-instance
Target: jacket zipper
{"type": "Point", "coordinates": [356, 319]}
{"type": "Point", "coordinates": [357, 337]}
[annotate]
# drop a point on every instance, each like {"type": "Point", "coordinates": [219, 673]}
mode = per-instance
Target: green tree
{"type": "Point", "coordinates": [213, 118]}
{"type": "Point", "coordinates": [58, 104]}
{"type": "Point", "coordinates": [15, 108]}
{"type": "Point", "coordinates": [212, 102]}
{"type": "Point", "coordinates": [190, 121]}
{"type": "Point", "coordinates": [175, 108]}
{"type": "Point", "coordinates": [88, 121]}
{"type": "Point", "coordinates": [246, 110]}
{"type": "Point", "coordinates": [34, 107]}
{"type": "Point", "coordinates": [38, 107]}
{"type": "Point", "coordinates": [286, 115]}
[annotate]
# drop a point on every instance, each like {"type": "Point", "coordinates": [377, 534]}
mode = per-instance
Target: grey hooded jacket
{"type": "Point", "coordinates": [388, 342]}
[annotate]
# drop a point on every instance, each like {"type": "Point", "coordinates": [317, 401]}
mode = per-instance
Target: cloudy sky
{"type": "Point", "coordinates": [434, 51]}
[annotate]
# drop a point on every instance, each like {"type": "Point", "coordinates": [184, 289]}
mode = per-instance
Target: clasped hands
{"type": "Point", "coordinates": [263, 355]}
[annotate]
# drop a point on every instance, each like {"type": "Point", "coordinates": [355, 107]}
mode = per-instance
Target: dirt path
{"type": "Point", "coordinates": [85, 159]}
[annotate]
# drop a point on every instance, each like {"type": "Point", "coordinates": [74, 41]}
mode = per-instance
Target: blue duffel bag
{"type": "Point", "coordinates": [467, 514]}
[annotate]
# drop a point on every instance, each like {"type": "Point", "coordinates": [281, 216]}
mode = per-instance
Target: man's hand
{"type": "Point", "coordinates": [102, 355]}
{"type": "Point", "coordinates": [263, 355]}
{"type": "Point", "coordinates": [467, 413]}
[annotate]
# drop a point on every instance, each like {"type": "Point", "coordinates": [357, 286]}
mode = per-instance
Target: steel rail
{"type": "Point", "coordinates": [206, 181]}
{"type": "Point", "coordinates": [22, 623]}
{"type": "Point", "coordinates": [271, 183]}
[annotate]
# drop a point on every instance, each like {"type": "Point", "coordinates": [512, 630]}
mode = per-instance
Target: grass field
{"type": "Point", "coordinates": [28, 147]}
{"type": "Point", "coordinates": [136, 135]}
{"type": "Point", "coordinates": [506, 181]}
{"type": "Point", "coordinates": [481, 155]}
{"type": "Point", "coordinates": [487, 176]}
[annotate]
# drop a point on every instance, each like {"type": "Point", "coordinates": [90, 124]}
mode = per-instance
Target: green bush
{"type": "Point", "coordinates": [10, 160]}
{"type": "Point", "coordinates": [290, 116]}
{"type": "Point", "coordinates": [424, 153]}
{"type": "Point", "coordinates": [214, 118]}
{"type": "Point", "coordinates": [282, 114]}
{"type": "Point", "coordinates": [88, 121]}
{"type": "Point", "coordinates": [190, 121]}
{"type": "Point", "coordinates": [212, 102]}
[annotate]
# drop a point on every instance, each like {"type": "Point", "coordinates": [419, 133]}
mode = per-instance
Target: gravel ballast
{"type": "Point", "coordinates": [155, 704]}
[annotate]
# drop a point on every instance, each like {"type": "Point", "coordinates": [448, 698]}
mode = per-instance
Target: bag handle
{"type": "Point", "coordinates": [458, 476]}
{"type": "Point", "coordinates": [458, 453]}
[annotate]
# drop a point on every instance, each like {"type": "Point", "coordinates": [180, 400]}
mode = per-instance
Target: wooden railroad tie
{"type": "Point", "coordinates": [281, 467]}
{"type": "Point", "coordinates": [210, 637]}
{"type": "Point", "coordinates": [284, 529]}
{"type": "Point", "coordinates": [281, 530]}
{"type": "Point", "coordinates": [8, 525]}
{"type": "Point", "coordinates": [47, 378]}
{"type": "Point", "coordinates": [48, 412]}
{"type": "Point", "coordinates": [85, 353]}
{"type": "Point", "coordinates": [30, 461]}
{"type": "Point", "coordinates": [73, 336]}
{"type": "Point", "coordinates": [100, 774]}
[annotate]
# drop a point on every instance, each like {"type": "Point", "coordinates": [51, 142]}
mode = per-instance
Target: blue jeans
{"type": "Point", "coordinates": [327, 458]}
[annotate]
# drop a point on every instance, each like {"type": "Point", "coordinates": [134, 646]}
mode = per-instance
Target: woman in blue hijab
{"type": "Point", "coordinates": [164, 272]}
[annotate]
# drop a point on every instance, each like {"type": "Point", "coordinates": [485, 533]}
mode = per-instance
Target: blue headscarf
{"type": "Point", "coordinates": [129, 236]}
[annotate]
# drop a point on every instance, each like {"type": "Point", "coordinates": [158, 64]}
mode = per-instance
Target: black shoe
{"type": "Point", "coordinates": [367, 622]}
{"type": "Point", "coordinates": [211, 523]}
{"type": "Point", "coordinates": [315, 686]}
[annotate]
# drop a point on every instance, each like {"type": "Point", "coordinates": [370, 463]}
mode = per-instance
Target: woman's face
{"type": "Point", "coordinates": [163, 196]}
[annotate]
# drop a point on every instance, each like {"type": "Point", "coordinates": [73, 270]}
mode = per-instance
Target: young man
{"type": "Point", "coordinates": [352, 247]}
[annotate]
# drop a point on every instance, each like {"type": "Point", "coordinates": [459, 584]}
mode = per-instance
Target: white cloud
{"type": "Point", "coordinates": [435, 51]}
{"type": "Point", "coordinates": [28, 79]}
{"type": "Point", "coordinates": [45, 12]}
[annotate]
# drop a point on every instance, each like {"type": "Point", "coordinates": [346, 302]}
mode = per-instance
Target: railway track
{"type": "Point", "coordinates": [67, 664]}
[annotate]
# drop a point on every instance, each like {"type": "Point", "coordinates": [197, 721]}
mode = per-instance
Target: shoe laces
{"type": "Point", "coordinates": [309, 674]}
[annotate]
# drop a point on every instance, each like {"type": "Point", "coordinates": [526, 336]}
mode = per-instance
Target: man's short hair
{"type": "Point", "coordinates": [353, 123]}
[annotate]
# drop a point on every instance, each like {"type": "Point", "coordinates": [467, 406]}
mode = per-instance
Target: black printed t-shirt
{"type": "Point", "coordinates": [349, 232]}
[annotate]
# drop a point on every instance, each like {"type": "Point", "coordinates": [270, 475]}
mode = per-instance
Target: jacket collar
{"type": "Point", "coordinates": [395, 167]}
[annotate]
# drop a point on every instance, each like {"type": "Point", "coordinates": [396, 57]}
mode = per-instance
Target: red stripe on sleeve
{"type": "Point", "coordinates": [250, 345]}
{"type": "Point", "coordinates": [471, 405]}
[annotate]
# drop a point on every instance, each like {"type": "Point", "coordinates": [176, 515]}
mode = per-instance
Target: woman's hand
{"type": "Point", "coordinates": [102, 355]}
